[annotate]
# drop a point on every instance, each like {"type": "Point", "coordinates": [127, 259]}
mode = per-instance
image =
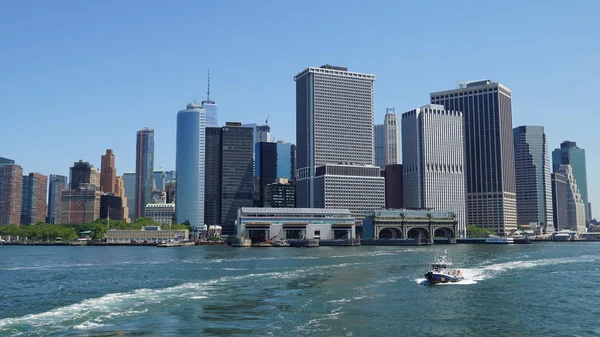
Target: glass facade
{"type": "Point", "coordinates": [144, 169]}
{"type": "Point", "coordinates": [190, 161]}
{"type": "Point", "coordinates": [570, 154]}
{"type": "Point", "coordinates": [267, 166]}
{"type": "Point", "coordinates": [57, 184]}
{"type": "Point", "coordinates": [212, 114]}
{"type": "Point", "coordinates": [285, 160]}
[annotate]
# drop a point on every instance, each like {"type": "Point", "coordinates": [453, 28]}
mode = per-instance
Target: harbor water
{"type": "Point", "coordinates": [542, 289]}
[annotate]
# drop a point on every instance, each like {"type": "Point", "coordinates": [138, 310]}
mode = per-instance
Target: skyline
{"type": "Point", "coordinates": [140, 69]}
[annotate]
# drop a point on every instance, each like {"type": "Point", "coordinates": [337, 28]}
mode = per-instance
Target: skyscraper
{"type": "Point", "coordinates": [391, 141]}
{"type": "Point", "coordinates": [189, 162]}
{"type": "Point", "coordinates": [433, 161]}
{"type": "Point", "coordinates": [570, 154]}
{"type": "Point", "coordinates": [559, 201]}
{"type": "Point", "coordinates": [108, 172]}
{"type": "Point", "coordinates": [80, 173]}
{"type": "Point", "coordinates": [33, 198]}
{"type": "Point", "coordinates": [532, 170]}
{"type": "Point", "coordinates": [81, 205]}
{"type": "Point", "coordinates": [144, 167]}
{"type": "Point", "coordinates": [286, 157]}
{"type": "Point", "coordinates": [6, 161]}
{"type": "Point", "coordinates": [380, 145]}
{"type": "Point", "coordinates": [160, 179]}
{"type": "Point", "coordinates": [575, 205]}
{"type": "Point", "coordinates": [266, 166]}
{"type": "Point", "coordinates": [210, 108]}
{"type": "Point", "coordinates": [334, 124]}
{"type": "Point", "coordinates": [129, 184]}
{"type": "Point", "coordinates": [11, 182]}
{"type": "Point", "coordinates": [212, 177]}
{"type": "Point", "coordinates": [261, 133]}
{"type": "Point", "coordinates": [120, 192]}
{"type": "Point", "coordinates": [489, 152]}
{"type": "Point", "coordinates": [57, 185]}
{"type": "Point", "coordinates": [394, 196]}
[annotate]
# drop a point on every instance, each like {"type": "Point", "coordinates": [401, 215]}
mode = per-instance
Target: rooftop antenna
{"type": "Point", "coordinates": [208, 91]}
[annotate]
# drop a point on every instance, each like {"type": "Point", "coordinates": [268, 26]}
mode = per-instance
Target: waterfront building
{"type": "Point", "coordinates": [393, 175]}
{"type": "Point", "coordinates": [108, 172]}
{"type": "Point", "coordinates": [57, 185]}
{"type": "Point", "coordinates": [148, 234]}
{"type": "Point", "coordinates": [286, 160]}
{"type": "Point", "coordinates": [532, 170]}
{"type": "Point", "coordinates": [353, 187]}
{"type": "Point", "coordinates": [161, 211]}
{"type": "Point", "coordinates": [190, 163]}
{"type": "Point", "coordinates": [391, 140]}
{"type": "Point", "coordinates": [410, 224]}
{"type": "Point", "coordinates": [334, 124]}
{"type": "Point", "coordinates": [559, 201]}
{"type": "Point", "coordinates": [33, 198]}
{"type": "Point", "coordinates": [489, 152]}
{"type": "Point", "coordinates": [82, 173]}
{"type": "Point", "coordinates": [260, 224]}
{"type": "Point", "coordinates": [281, 194]}
{"type": "Point", "coordinates": [11, 189]}
{"type": "Point", "coordinates": [230, 171]}
{"type": "Point", "coordinates": [144, 167]}
{"type": "Point", "coordinates": [81, 205]}
{"type": "Point", "coordinates": [433, 155]}
{"type": "Point", "coordinates": [570, 154]}
{"type": "Point", "coordinates": [575, 204]}
{"type": "Point", "coordinates": [379, 134]}
{"type": "Point", "coordinates": [129, 184]}
{"type": "Point", "coordinates": [266, 167]}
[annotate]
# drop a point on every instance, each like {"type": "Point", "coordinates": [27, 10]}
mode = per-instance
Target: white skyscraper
{"type": "Point", "coordinates": [334, 126]}
{"type": "Point", "coordinates": [391, 139]}
{"type": "Point", "coordinates": [575, 205]}
{"type": "Point", "coordinates": [189, 161]}
{"type": "Point", "coordinates": [433, 161]}
{"type": "Point", "coordinates": [380, 157]}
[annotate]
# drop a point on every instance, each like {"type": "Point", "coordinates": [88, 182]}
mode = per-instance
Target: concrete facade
{"type": "Point", "coordinates": [404, 224]}
{"type": "Point", "coordinates": [108, 172]}
{"type": "Point", "coordinates": [80, 206]}
{"type": "Point", "coordinates": [391, 127]}
{"type": "Point", "coordinates": [11, 189]}
{"type": "Point", "coordinates": [149, 235]}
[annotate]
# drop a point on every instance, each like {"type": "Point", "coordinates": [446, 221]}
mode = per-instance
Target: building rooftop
{"type": "Point", "coordinates": [280, 210]}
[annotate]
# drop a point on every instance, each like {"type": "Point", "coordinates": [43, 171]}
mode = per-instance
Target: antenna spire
{"type": "Point", "coordinates": [208, 91]}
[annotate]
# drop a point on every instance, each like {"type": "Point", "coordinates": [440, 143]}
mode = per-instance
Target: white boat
{"type": "Point", "coordinates": [499, 240]}
{"type": "Point", "coordinates": [442, 272]}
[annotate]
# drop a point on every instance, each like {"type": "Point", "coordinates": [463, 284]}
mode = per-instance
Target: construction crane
{"type": "Point", "coordinates": [267, 120]}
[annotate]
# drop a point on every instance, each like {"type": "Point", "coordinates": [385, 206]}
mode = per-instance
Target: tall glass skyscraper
{"type": "Point", "coordinates": [286, 153]}
{"type": "Point", "coordinates": [379, 131]}
{"type": "Point", "coordinates": [570, 154]}
{"type": "Point", "coordinates": [210, 109]}
{"type": "Point", "coordinates": [57, 184]}
{"type": "Point", "coordinates": [489, 152]}
{"type": "Point", "coordinates": [144, 168]}
{"type": "Point", "coordinates": [189, 162]}
{"type": "Point", "coordinates": [532, 174]}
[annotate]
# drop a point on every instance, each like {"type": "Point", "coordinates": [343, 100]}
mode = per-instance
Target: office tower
{"type": "Point", "coordinates": [33, 198]}
{"type": "Point", "coordinates": [161, 211]}
{"type": "Point", "coordinates": [281, 194]}
{"type": "Point", "coordinates": [81, 205]}
{"type": "Point", "coordinates": [108, 172]}
{"type": "Point", "coordinates": [57, 185]}
{"type": "Point", "coordinates": [160, 179]}
{"type": "Point", "coordinates": [391, 141]}
{"type": "Point", "coordinates": [170, 176]}
{"type": "Point", "coordinates": [11, 182]}
{"type": "Point", "coordinates": [334, 124]}
{"type": "Point", "coordinates": [489, 152]}
{"type": "Point", "coordinates": [210, 108]}
{"type": "Point", "coordinates": [144, 167]}
{"type": "Point", "coordinates": [266, 167]}
{"type": "Point", "coordinates": [6, 161]}
{"type": "Point", "coordinates": [532, 174]}
{"type": "Point", "coordinates": [393, 176]}
{"type": "Point", "coordinates": [559, 201]}
{"type": "Point", "coordinates": [171, 190]}
{"type": "Point", "coordinates": [358, 188]}
{"type": "Point", "coordinates": [120, 192]}
{"type": "Point", "coordinates": [433, 161]}
{"type": "Point", "coordinates": [80, 173]}
{"type": "Point", "coordinates": [570, 154]}
{"type": "Point", "coordinates": [286, 156]}
{"type": "Point", "coordinates": [111, 207]}
{"type": "Point", "coordinates": [380, 145]}
{"type": "Point", "coordinates": [189, 161]}
{"type": "Point", "coordinates": [575, 205]}
{"type": "Point", "coordinates": [261, 133]}
{"type": "Point", "coordinates": [129, 184]}
{"type": "Point", "coordinates": [229, 174]}
{"type": "Point", "coordinates": [95, 177]}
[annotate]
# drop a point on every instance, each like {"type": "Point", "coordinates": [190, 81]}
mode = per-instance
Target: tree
{"type": "Point", "coordinates": [477, 232]}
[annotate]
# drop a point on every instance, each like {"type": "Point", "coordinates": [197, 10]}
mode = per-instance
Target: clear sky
{"type": "Point", "coordinates": [78, 77]}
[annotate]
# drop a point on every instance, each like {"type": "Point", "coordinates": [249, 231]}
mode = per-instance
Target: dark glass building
{"type": "Point", "coordinates": [57, 185]}
{"type": "Point", "coordinates": [111, 206]}
{"type": "Point", "coordinates": [393, 186]}
{"type": "Point", "coordinates": [266, 167]}
{"type": "Point", "coordinates": [280, 194]}
{"type": "Point", "coordinates": [570, 154]}
{"type": "Point", "coordinates": [144, 169]}
{"type": "Point", "coordinates": [6, 161]}
{"type": "Point", "coordinates": [229, 174]}
{"type": "Point", "coordinates": [489, 152]}
{"type": "Point", "coordinates": [81, 173]}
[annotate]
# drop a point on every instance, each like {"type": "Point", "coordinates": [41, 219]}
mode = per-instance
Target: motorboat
{"type": "Point", "coordinates": [499, 240]}
{"type": "Point", "coordinates": [442, 272]}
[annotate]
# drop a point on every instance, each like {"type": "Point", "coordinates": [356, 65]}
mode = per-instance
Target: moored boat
{"type": "Point", "coordinates": [441, 271]}
{"type": "Point", "coordinates": [499, 240]}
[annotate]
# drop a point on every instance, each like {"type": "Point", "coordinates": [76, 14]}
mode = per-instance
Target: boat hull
{"type": "Point", "coordinates": [442, 278]}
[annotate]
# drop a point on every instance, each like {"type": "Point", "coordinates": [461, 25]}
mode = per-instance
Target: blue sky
{"type": "Point", "coordinates": [78, 77]}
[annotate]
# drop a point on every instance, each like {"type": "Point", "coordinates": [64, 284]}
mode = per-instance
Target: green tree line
{"type": "Point", "coordinates": [478, 232]}
{"type": "Point", "coordinates": [49, 232]}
